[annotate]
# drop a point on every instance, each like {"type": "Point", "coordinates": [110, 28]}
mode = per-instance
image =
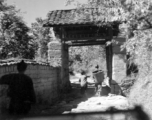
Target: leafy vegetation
{"type": "Point", "coordinates": [42, 36]}
{"type": "Point", "coordinates": [86, 58]}
{"type": "Point", "coordinates": [15, 40]}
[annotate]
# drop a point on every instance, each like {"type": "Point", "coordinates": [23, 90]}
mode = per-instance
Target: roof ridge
{"type": "Point", "coordinates": [62, 10]}
{"type": "Point", "coordinates": [68, 17]}
{"type": "Point", "coordinates": [70, 9]}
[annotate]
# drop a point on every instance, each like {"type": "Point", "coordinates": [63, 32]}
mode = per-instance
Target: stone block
{"type": "Point", "coordinates": [34, 67]}
{"type": "Point", "coordinates": [15, 68]}
{"type": "Point", "coordinates": [6, 69]}
{"type": "Point", "coordinates": [54, 45]}
{"type": "Point", "coordinates": [11, 68]}
{"type": "Point", "coordinates": [119, 67]}
{"type": "Point", "coordinates": [1, 73]}
{"type": "Point", "coordinates": [3, 69]}
{"type": "Point", "coordinates": [40, 67]}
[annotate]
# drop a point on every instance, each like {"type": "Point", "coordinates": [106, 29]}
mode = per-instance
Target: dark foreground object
{"type": "Point", "coordinates": [112, 114]}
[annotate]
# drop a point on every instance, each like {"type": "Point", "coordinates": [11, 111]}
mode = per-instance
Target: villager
{"type": "Point", "coordinates": [83, 82]}
{"type": "Point", "coordinates": [21, 91]}
{"type": "Point", "coordinates": [98, 76]}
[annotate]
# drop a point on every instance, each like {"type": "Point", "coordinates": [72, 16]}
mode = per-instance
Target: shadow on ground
{"type": "Point", "coordinates": [69, 102]}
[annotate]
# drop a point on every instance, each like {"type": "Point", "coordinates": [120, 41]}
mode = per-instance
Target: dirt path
{"type": "Point", "coordinates": [66, 105]}
{"type": "Point", "coordinates": [75, 102]}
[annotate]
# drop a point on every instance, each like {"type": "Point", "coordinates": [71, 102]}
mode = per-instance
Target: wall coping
{"type": "Point", "coordinates": [28, 61]}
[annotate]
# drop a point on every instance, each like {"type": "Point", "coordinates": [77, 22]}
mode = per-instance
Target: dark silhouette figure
{"type": "Point", "coordinates": [21, 91]}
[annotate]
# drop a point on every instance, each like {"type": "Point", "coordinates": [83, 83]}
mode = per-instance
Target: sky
{"type": "Point", "coordinates": [32, 9]}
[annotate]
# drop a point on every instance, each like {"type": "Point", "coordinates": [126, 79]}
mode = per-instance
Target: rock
{"type": "Point", "coordinates": [102, 104]}
{"type": "Point", "coordinates": [126, 85]}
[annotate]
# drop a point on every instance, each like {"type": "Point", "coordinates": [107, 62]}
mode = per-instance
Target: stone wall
{"type": "Point", "coordinates": [46, 81]}
{"type": "Point", "coordinates": [118, 65]}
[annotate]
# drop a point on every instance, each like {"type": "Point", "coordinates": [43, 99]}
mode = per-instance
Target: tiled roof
{"type": "Point", "coordinates": [72, 17]}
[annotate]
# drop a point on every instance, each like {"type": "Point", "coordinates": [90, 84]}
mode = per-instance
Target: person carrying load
{"type": "Point", "coordinates": [98, 76]}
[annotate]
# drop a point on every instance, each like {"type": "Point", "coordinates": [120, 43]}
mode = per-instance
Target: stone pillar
{"type": "Point", "coordinates": [54, 53]}
{"type": "Point", "coordinates": [66, 86]}
{"type": "Point", "coordinates": [118, 65]}
{"type": "Point", "coordinates": [58, 56]}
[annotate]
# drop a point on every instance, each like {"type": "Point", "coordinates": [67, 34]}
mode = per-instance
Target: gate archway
{"type": "Point", "coordinates": [82, 32]}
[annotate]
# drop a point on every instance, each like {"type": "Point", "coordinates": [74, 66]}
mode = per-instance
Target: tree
{"type": "Point", "coordinates": [42, 37]}
{"type": "Point", "coordinates": [15, 39]}
{"type": "Point", "coordinates": [86, 58]}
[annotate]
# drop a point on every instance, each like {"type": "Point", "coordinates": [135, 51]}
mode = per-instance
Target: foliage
{"type": "Point", "coordinates": [140, 49]}
{"type": "Point", "coordinates": [87, 57]}
{"type": "Point", "coordinates": [15, 40]}
{"type": "Point", "coordinates": [42, 37]}
{"type": "Point", "coordinates": [139, 39]}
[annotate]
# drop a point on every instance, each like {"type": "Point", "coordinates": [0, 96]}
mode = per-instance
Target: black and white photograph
{"type": "Point", "coordinates": [75, 59]}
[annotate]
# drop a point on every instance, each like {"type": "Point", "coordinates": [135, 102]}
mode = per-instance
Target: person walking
{"type": "Point", "coordinates": [83, 83]}
{"type": "Point", "coordinates": [98, 76]}
{"type": "Point", "coordinates": [21, 91]}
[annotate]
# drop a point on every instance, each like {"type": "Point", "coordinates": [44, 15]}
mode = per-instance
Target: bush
{"type": "Point", "coordinates": [126, 85]}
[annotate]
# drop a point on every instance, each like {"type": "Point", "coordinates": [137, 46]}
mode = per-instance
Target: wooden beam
{"type": "Point", "coordinates": [110, 33]}
{"type": "Point", "coordinates": [87, 41]}
{"type": "Point", "coordinates": [87, 44]}
{"type": "Point", "coordinates": [87, 31]}
{"type": "Point", "coordinates": [109, 58]}
{"type": "Point", "coordinates": [85, 38]}
{"type": "Point", "coordinates": [47, 24]}
{"type": "Point", "coordinates": [68, 25]}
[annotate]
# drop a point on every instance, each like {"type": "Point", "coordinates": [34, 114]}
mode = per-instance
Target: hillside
{"type": "Point", "coordinates": [141, 94]}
